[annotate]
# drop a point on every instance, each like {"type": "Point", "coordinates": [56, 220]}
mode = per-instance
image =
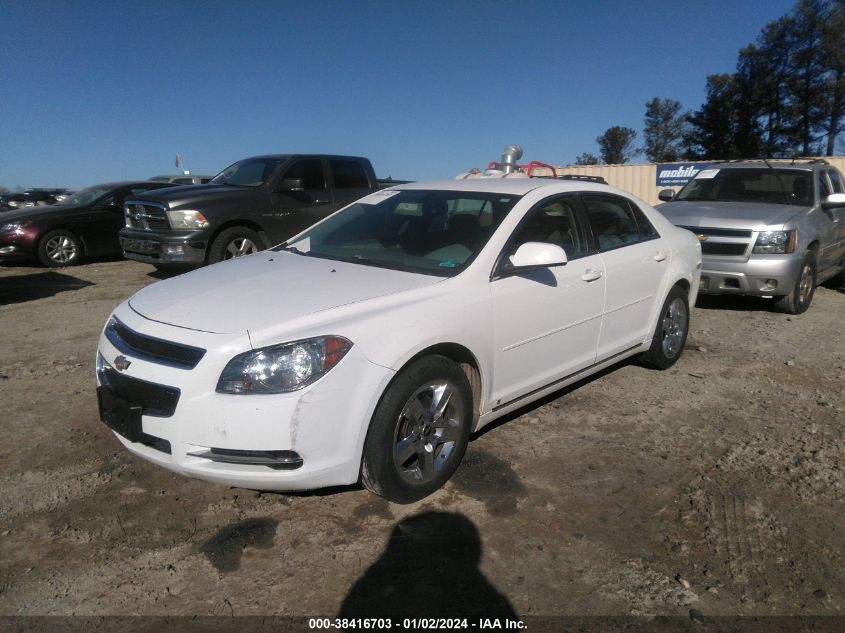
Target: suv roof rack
{"type": "Point", "coordinates": [792, 161]}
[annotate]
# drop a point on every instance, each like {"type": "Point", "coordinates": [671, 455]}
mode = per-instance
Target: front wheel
{"type": "Point", "coordinates": [419, 431]}
{"type": "Point", "coordinates": [670, 335]}
{"type": "Point", "coordinates": [59, 248]}
{"type": "Point", "coordinates": [801, 295]}
{"type": "Point", "coordinates": [235, 241]}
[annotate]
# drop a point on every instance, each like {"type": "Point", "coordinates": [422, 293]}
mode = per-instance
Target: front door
{"type": "Point", "coordinates": [296, 210]}
{"type": "Point", "coordinates": [547, 321]}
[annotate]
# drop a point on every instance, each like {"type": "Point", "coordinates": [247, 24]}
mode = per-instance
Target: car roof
{"type": "Point", "coordinates": [516, 186]}
{"type": "Point", "coordinates": [287, 156]}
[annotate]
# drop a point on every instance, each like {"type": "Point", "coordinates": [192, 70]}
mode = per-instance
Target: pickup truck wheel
{"type": "Point", "coordinates": [801, 295]}
{"type": "Point", "coordinates": [419, 431]}
{"type": "Point", "coordinates": [236, 241]}
{"type": "Point", "coordinates": [59, 248]}
{"type": "Point", "coordinates": [670, 335]}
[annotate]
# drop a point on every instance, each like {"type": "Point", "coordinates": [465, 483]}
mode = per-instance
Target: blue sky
{"type": "Point", "coordinates": [100, 91]}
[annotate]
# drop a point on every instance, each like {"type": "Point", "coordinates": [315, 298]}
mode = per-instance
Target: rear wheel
{"type": "Point", "coordinates": [59, 248]}
{"type": "Point", "coordinates": [235, 241]}
{"type": "Point", "coordinates": [670, 334]}
{"type": "Point", "coordinates": [419, 431]}
{"type": "Point", "coordinates": [801, 295]}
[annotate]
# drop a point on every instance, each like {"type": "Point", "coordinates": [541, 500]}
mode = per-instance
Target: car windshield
{"type": "Point", "coordinates": [772, 186]}
{"type": "Point", "coordinates": [86, 196]}
{"type": "Point", "coordinates": [424, 231]}
{"type": "Point", "coordinates": [252, 172]}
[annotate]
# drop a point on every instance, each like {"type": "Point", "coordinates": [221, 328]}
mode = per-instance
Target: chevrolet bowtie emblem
{"type": "Point", "coordinates": [121, 363]}
{"type": "Point", "coordinates": [702, 238]}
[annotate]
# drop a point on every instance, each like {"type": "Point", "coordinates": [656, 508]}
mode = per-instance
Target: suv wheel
{"type": "Point", "coordinates": [236, 241]}
{"type": "Point", "coordinates": [801, 295]}
{"type": "Point", "coordinates": [59, 248]}
{"type": "Point", "coordinates": [419, 431]}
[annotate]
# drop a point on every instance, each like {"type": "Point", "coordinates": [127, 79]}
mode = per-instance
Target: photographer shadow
{"type": "Point", "coordinates": [428, 569]}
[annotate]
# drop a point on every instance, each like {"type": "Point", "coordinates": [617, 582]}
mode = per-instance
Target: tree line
{"type": "Point", "coordinates": [785, 99]}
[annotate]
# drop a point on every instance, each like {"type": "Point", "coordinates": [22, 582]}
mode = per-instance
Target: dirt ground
{"type": "Point", "coordinates": [715, 488]}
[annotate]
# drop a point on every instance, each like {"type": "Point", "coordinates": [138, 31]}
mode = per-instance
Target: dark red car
{"type": "Point", "coordinates": [84, 225]}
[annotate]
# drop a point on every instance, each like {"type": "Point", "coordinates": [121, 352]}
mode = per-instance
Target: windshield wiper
{"type": "Point", "coordinates": [294, 249]}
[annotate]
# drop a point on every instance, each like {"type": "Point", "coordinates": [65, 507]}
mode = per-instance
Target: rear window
{"type": "Point", "coordinates": [348, 174]}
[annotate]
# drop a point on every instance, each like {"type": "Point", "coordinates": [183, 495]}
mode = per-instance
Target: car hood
{"type": "Point", "coordinates": [192, 194]}
{"type": "Point", "coordinates": [34, 213]}
{"type": "Point", "coordinates": [733, 215]}
{"type": "Point", "coordinates": [266, 289]}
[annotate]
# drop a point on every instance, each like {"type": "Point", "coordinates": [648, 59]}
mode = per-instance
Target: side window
{"type": "Point", "coordinates": [646, 228]}
{"type": "Point", "coordinates": [554, 221]}
{"type": "Point", "coordinates": [348, 174]}
{"type": "Point", "coordinates": [836, 181]}
{"type": "Point", "coordinates": [824, 188]}
{"type": "Point", "coordinates": [612, 220]}
{"type": "Point", "coordinates": [311, 173]}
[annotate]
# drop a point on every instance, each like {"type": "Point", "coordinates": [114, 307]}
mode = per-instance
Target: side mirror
{"type": "Point", "coordinates": [533, 255]}
{"type": "Point", "coordinates": [291, 184]}
{"type": "Point", "coordinates": [666, 195]}
{"type": "Point", "coordinates": [834, 201]}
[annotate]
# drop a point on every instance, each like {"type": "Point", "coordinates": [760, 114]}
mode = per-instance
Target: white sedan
{"type": "Point", "coordinates": [369, 347]}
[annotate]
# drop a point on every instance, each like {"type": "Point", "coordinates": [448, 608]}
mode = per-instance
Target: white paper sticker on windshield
{"type": "Point", "coordinates": [378, 196]}
{"type": "Point", "coordinates": [707, 173]}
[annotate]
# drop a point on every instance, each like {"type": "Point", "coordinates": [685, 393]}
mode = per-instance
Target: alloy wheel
{"type": "Point", "coordinates": [674, 327]}
{"type": "Point", "coordinates": [427, 432]}
{"type": "Point", "coordinates": [60, 249]}
{"type": "Point", "coordinates": [805, 284]}
{"type": "Point", "coordinates": [239, 247]}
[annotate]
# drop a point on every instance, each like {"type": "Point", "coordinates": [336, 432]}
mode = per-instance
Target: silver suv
{"type": "Point", "coordinates": [769, 229]}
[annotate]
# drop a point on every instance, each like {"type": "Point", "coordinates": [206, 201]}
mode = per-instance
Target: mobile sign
{"type": "Point", "coordinates": [673, 174]}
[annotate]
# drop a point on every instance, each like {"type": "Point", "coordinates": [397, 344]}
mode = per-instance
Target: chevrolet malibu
{"type": "Point", "coordinates": [368, 348]}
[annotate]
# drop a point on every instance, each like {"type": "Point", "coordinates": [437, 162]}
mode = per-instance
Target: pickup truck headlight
{"type": "Point", "coordinates": [775, 242]}
{"type": "Point", "coordinates": [186, 220]}
{"type": "Point", "coordinates": [282, 368]}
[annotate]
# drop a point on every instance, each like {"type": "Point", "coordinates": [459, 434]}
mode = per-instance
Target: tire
{"type": "Point", "coordinates": [801, 295]}
{"type": "Point", "coordinates": [59, 248]}
{"type": "Point", "coordinates": [670, 333]}
{"type": "Point", "coordinates": [233, 242]}
{"type": "Point", "coordinates": [406, 456]}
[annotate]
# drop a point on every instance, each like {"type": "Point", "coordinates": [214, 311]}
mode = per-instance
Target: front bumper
{"type": "Point", "coordinates": [157, 248]}
{"type": "Point", "coordinates": [324, 424]}
{"type": "Point", "coordinates": [759, 275]}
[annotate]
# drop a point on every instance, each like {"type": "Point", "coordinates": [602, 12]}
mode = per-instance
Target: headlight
{"type": "Point", "coordinates": [186, 220]}
{"type": "Point", "coordinates": [11, 227]}
{"type": "Point", "coordinates": [282, 368]}
{"type": "Point", "coordinates": [775, 242]}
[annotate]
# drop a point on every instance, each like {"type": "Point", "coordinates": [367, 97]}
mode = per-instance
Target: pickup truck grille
{"type": "Point", "coordinates": [145, 216]}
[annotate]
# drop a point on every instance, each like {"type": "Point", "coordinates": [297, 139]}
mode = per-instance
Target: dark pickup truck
{"type": "Point", "coordinates": [251, 205]}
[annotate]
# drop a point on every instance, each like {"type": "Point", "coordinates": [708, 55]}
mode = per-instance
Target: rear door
{"type": "Point", "coordinates": [636, 264]}
{"type": "Point", "coordinates": [547, 321]}
{"type": "Point", "coordinates": [349, 180]}
{"type": "Point", "coordinates": [294, 211]}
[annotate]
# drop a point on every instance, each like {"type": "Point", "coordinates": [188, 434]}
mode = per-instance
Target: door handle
{"type": "Point", "coordinates": [660, 257]}
{"type": "Point", "coordinates": [322, 201]}
{"type": "Point", "coordinates": [591, 275]}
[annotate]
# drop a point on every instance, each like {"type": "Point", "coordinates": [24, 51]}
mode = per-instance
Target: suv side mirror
{"type": "Point", "coordinates": [834, 201]}
{"type": "Point", "coordinates": [291, 184]}
{"type": "Point", "coordinates": [666, 195]}
{"type": "Point", "coordinates": [532, 255]}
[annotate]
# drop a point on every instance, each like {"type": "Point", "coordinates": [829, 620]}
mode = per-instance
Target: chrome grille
{"type": "Point", "coordinates": [145, 216]}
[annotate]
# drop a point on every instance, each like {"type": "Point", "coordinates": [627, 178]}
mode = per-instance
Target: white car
{"type": "Point", "coordinates": [369, 347]}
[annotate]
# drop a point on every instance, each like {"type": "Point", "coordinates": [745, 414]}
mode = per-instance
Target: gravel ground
{"type": "Point", "coordinates": [715, 488]}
